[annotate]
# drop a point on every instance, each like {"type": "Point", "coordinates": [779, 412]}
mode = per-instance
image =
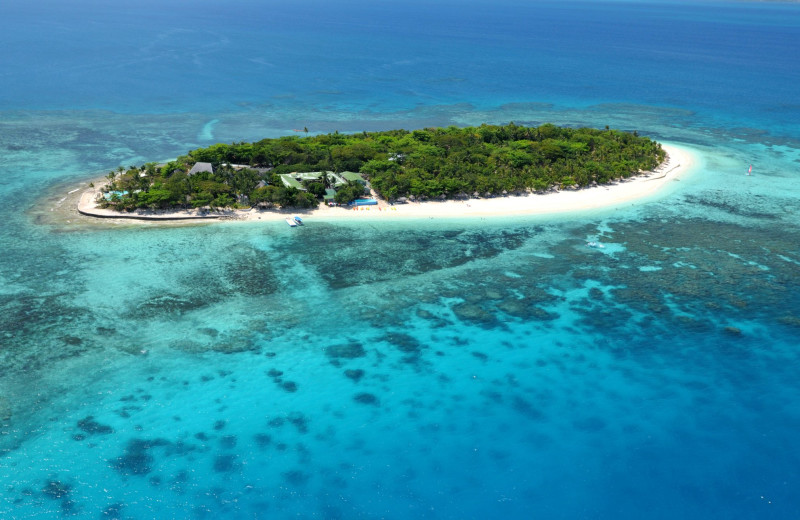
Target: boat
{"type": "Point", "coordinates": [291, 222]}
{"type": "Point", "coordinates": [298, 221]}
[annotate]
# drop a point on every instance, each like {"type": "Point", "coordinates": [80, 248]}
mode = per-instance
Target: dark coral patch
{"type": "Point", "coordinates": [480, 355]}
{"type": "Point", "coordinates": [209, 331]}
{"type": "Point", "coordinates": [733, 331]}
{"type": "Point", "coordinates": [125, 411]}
{"type": "Point", "coordinates": [296, 478]}
{"type": "Point", "coordinates": [404, 342]}
{"type": "Point", "coordinates": [474, 313]}
{"type": "Point", "coordinates": [276, 422]}
{"type": "Point", "coordinates": [225, 463]}
{"type": "Point", "coordinates": [299, 421]}
{"type": "Point", "coordinates": [137, 459]}
{"type": "Point", "coordinates": [366, 398]}
{"type": "Point", "coordinates": [289, 386]}
{"type": "Point", "coordinates": [92, 427]}
{"type": "Point", "coordinates": [72, 340]}
{"type": "Point", "coordinates": [355, 375]}
{"type": "Point", "coordinates": [525, 408]}
{"type": "Point", "coordinates": [68, 507]}
{"type": "Point", "coordinates": [56, 490]}
{"type": "Point", "coordinates": [590, 424]}
{"type": "Point", "coordinates": [228, 442]}
{"type": "Point", "coordinates": [113, 511]}
{"type": "Point", "coordinates": [350, 350]}
{"type": "Point", "coordinates": [262, 440]}
{"type": "Point", "coordinates": [162, 304]}
{"type": "Point", "coordinates": [596, 294]}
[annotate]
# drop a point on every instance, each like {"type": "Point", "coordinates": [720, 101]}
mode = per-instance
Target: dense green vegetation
{"type": "Point", "coordinates": [427, 163]}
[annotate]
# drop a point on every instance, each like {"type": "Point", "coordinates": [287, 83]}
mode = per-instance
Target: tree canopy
{"type": "Point", "coordinates": [426, 163]}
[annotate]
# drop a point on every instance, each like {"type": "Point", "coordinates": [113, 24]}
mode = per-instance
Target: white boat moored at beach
{"type": "Point", "coordinates": [291, 222]}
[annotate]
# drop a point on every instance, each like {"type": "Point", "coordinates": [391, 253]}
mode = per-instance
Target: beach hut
{"type": "Point", "coordinates": [201, 167]}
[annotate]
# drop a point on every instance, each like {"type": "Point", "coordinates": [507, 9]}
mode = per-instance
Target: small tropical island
{"type": "Point", "coordinates": [396, 166]}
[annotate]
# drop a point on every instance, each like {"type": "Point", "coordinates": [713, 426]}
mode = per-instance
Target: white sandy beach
{"type": "Point", "coordinates": [679, 161]}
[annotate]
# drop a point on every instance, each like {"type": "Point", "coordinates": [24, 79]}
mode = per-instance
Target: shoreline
{"type": "Point", "coordinates": [679, 161]}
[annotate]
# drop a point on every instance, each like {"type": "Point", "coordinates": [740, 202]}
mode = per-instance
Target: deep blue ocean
{"type": "Point", "coordinates": [393, 369]}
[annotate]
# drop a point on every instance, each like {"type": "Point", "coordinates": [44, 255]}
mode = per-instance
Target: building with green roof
{"type": "Point", "coordinates": [335, 180]}
{"type": "Point", "coordinates": [353, 177]}
{"type": "Point", "coordinates": [289, 181]}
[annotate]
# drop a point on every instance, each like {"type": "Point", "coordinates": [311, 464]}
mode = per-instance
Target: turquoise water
{"type": "Point", "coordinates": [393, 369]}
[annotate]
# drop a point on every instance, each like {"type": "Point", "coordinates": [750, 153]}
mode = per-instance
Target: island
{"type": "Point", "coordinates": [375, 168]}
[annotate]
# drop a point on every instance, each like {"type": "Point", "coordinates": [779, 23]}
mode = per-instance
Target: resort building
{"type": "Point", "coordinates": [201, 167]}
{"type": "Point", "coordinates": [353, 177]}
{"type": "Point", "coordinates": [335, 180]}
{"type": "Point", "coordinates": [289, 180]}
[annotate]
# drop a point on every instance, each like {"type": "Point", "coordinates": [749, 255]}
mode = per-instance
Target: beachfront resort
{"type": "Point", "coordinates": [432, 164]}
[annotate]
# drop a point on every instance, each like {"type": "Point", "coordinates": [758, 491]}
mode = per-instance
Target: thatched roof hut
{"type": "Point", "coordinates": [201, 167]}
